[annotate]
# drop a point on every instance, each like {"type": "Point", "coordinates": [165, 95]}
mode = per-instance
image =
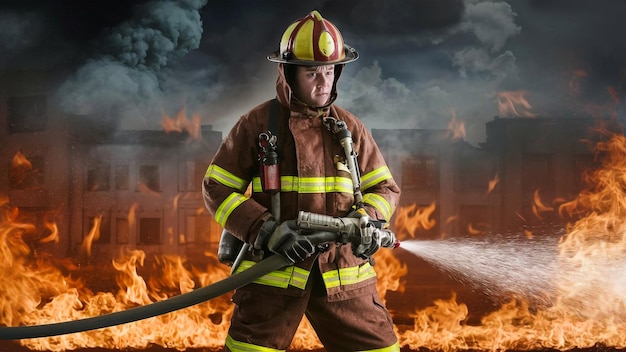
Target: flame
{"type": "Point", "coordinates": [132, 215]}
{"type": "Point", "coordinates": [93, 235]}
{"type": "Point", "coordinates": [19, 169]}
{"type": "Point", "coordinates": [54, 232]}
{"type": "Point", "coordinates": [37, 292]}
{"type": "Point", "coordinates": [473, 229]}
{"type": "Point", "coordinates": [19, 160]}
{"type": "Point", "coordinates": [180, 123]}
{"type": "Point", "coordinates": [588, 310]}
{"type": "Point", "coordinates": [456, 129]}
{"type": "Point", "coordinates": [513, 104]}
{"type": "Point", "coordinates": [41, 294]}
{"type": "Point", "coordinates": [492, 184]}
{"type": "Point", "coordinates": [582, 314]}
{"type": "Point", "coordinates": [538, 206]}
{"type": "Point", "coordinates": [413, 218]}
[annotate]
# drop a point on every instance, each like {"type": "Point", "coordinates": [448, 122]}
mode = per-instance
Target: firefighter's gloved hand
{"type": "Point", "coordinates": [284, 239]}
{"type": "Point", "coordinates": [369, 238]}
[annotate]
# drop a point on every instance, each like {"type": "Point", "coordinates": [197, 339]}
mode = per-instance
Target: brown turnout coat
{"type": "Point", "coordinates": [307, 149]}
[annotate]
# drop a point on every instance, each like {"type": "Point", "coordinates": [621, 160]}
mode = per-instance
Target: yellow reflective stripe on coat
{"type": "Point", "coordinates": [238, 346]}
{"type": "Point", "coordinates": [393, 348]}
{"type": "Point", "coordinates": [379, 203]}
{"type": "Point", "coordinates": [228, 206]}
{"type": "Point", "coordinates": [309, 184]}
{"type": "Point", "coordinates": [375, 177]}
{"type": "Point", "coordinates": [291, 275]}
{"type": "Point", "coordinates": [348, 276]}
{"type": "Point", "coordinates": [226, 178]}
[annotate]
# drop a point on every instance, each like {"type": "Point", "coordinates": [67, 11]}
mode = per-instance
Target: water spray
{"type": "Point", "coordinates": [500, 267]}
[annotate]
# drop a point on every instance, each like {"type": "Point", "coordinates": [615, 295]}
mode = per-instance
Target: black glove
{"type": "Point", "coordinates": [285, 240]}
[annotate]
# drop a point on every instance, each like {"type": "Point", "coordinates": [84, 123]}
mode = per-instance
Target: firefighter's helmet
{"type": "Point", "coordinates": [313, 41]}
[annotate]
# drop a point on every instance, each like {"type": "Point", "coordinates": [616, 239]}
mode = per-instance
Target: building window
{"type": "Point", "coordinates": [201, 229]}
{"type": "Point", "coordinates": [473, 173]}
{"type": "Point", "coordinates": [420, 173]}
{"type": "Point", "coordinates": [538, 173]}
{"type": "Point", "coordinates": [539, 187]}
{"type": "Point", "coordinates": [26, 173]}
{"type": "Point", "coordinates": [122, 182]}
{"type": "Point", "coordinates": [27, 114]}
{"type": "Point", "coordinates": [149, 178]}
{"type": "Point", "coordinates": [149, 231]}
{"type": "Point", "coordinates": [98, 178]}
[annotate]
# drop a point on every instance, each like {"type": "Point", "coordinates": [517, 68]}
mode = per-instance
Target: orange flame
{"type": "Point", "coordinates": [19, 169]}
{"type": "Point", "coordinates": [583, 315]}
{"type": "Point", "coordinates": [54, 232]}
{"type": "Point", "coordinates": [132, 215]}
{"type": "Point", "coordinates": [456, 129]}
{"type": "Point", "coordinates": [93, 235]}
{"type": "Point", "coordinates": [538, 206]}
{"type": "Point", "coordinates": [492, 184]}
{"type": "Point", "coordinates": [413, 218]}
{"type": "Point", "coordinates": [587, 311]}
{"type": "Point", "coordinates": [181, 123]}
{"type": "Point", "coordinates": [513, 104]}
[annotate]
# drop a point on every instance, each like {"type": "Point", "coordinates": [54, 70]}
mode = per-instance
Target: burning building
{"type": "Point", "coordinates": [87, 190]}
{"type": "Point", "coordinates": [142, 187]}
{"type": "Point", "coordinates": [514, 180]}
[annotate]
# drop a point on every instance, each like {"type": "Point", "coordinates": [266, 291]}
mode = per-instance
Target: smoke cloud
{"type": "Point", "coordinates": [125, 73]}
{"type": "Point", "coordinates": [421, 62]}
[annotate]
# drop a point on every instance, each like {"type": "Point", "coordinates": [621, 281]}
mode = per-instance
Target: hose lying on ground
{"type": "Point", "coordinates": [185, 300]}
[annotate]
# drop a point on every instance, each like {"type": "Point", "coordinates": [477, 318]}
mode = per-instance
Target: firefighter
{"type": "Point", "coordinates": [334, 286]}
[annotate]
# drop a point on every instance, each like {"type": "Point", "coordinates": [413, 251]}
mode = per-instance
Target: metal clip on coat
{"type": "Point", "coordinates": [342, 134]}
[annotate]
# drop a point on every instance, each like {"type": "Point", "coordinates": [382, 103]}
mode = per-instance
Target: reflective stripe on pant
{"type": "Point", "coordinates": [236, 346]}
{"type": "Point", "coordinates": [267, 322]}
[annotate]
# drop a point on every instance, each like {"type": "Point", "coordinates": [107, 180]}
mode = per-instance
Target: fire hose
{"type": "Point", "coordinates": [327, 229]}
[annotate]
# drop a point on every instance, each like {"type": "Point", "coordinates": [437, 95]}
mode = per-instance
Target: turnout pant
{"type": "Point", "coordinates": [267, 322]}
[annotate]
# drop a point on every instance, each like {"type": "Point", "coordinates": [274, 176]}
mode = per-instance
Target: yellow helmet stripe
{"type": "Point", "coordinates": [303, 41]}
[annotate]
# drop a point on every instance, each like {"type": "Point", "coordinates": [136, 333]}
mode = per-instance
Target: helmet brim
{"type": "Point", "coordinates": [350, 55]}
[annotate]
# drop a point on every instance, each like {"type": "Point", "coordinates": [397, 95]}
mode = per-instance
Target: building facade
{"type": "Point", "coordinates": [141, 189]}
{"type": "Point", "coordinates": [97, 188]}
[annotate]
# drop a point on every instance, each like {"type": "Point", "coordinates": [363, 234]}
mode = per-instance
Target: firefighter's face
{"type": "Point", "coordinates": [314, 84]}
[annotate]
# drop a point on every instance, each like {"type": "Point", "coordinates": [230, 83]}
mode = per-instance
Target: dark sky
{"type": "Point", "coordinates": [421, 62]}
